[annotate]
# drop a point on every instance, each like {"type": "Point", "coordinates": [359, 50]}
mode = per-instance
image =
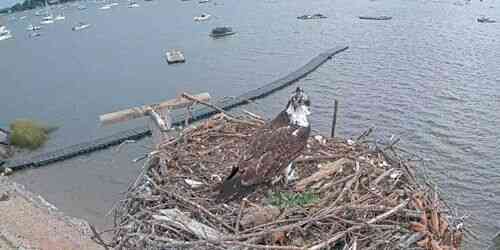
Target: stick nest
{"type": "Point", "coordinates": [348, 195]}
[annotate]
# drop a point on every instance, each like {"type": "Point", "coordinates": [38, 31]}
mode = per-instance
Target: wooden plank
{"type": "Point", "coordinates": [137, 112]}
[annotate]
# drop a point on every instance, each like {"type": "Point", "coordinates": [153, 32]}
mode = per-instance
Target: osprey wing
{"type": "Point", "coordinates": [266, 159]}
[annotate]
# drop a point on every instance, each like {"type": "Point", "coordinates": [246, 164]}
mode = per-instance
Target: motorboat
{"type": "Point", "coordinates": [105, 7]}
{"type": "Point", "coordinates": [113, 4]}
{"type": "Point", "coordinates": [42, 13]}
{"type": "Point", "coordinates": [203, 1]}
{"type": "Point", "coordinates": [221, 32]}
{"type": "Point", "coordinates": [81, 26]}
{"type": "Point", "coordinates": [202, 17]}
{"type": "Point", "coordinates": [82, 7]}
{"type": "Point", "coordinates": [484, 19]}
{"type": "Point", "coordinates": [133, 5]}
{"type": "Point", "coordinates": [175, 56]}
{"type": "Point", "coordinates": [59, 17]}
{"type": "Point", "coordinates": [4, 33]}
{"type": "Point", "coordinates": [22, 18]}
{"type": "Point", "coordinates": [315, 16]}
{"type": "Point", "coordinates": [375, 17]}
{"type": "Point", "coordinates": [47, 20]}
{"type": "Point", "coordinates": [32, 27]}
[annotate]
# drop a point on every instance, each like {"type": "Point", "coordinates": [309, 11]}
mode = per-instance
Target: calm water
{"type": "Point", "coordinates": [430, 76]}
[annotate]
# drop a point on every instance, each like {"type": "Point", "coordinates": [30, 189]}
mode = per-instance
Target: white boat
{"type": "Point", "coordinates": [105, 7]}
{"type": "Point", "coordinates": [32, 27]}
{"type": "Point", "coordinates": [174, 56]}
{"type": "Point", "coordinates": [81, 26]}
{"type": "Point", "coordinates": [202, 17]}
{"type": "Point", "coordinates": [47, 20]}
{"type": "Point", "coordinates": [35, 34]}
{"type": "Point", "coordinates": [133, 5]}
{"type": "Point", "coordinates": [4, 33]}
{"type": "Point", "coordinates": [22, 18]}
{"type": "Point", "coordinates": [203, 1]}
{"type": "Point", "coordinates": [59, 17]}
{"type": "Point", "coordinates": [113, 4]}
{"type": "Point", "coordinates": [82, 7]}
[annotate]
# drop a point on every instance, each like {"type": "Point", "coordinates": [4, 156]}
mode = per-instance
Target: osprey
{"type": "Point", "coordinates": [272, 149]}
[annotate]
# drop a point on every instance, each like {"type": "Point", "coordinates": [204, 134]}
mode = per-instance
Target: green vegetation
{"type": "Point", "coordinates": [29, 134]}
{"type": "Point", "coordinates": [29, 4]}
{"type": "Point", "coordinates": [284, 200]}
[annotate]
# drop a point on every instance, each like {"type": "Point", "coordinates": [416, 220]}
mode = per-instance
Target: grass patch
{"type": "Point", "coordinates": [29, 134]}
{"type": "Point", "coordinates": [285, 200]}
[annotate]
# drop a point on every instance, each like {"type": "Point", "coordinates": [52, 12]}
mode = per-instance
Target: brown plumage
{"type": "Point", "coordinates": [271, 150]}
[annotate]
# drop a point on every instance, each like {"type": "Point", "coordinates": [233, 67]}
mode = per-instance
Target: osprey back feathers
{"type": "Point", "coordinates": [271, 150]}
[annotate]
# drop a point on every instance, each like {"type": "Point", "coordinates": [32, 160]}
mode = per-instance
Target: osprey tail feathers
{"type": "Point", "coordinates": [232, 189]}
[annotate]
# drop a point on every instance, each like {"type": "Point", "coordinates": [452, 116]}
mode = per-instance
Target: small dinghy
{"type": "Point", "coordinates": [133, 5]}
{"type": "Point", "coordinates": [105, 7]}
{"type": "Point", "coordinates": [203, 1]}
{"type": "Point", "coordinates": [174, 56]}
{"type": "Point", "coordinates": [82, 7]}
{"type": "Point", "coordinates": [35, 34]}
{"type": "Point", "coordinates": [47, 20]}
{"type": "Point", "coordinates": [221, 32]}
{"type": "Point", "coordinates": [484, 19]}
{"type": "Point", "coordinates": [309, 17]}
{"type": "Point", "coordinates": [202, 17]}
{"type": "Point", "coordinates": [81, 26]}
{"type": "Point", "coordinates": [59, 17]}
{"type": "Point", "coordinates": [32, 27]}
{"type": "Point", "coordinates": [375, 17]}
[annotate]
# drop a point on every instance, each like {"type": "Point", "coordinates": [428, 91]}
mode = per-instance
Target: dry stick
{"type": "Point", "coordinates": [179, 198]}
{"type": "Point", "coordinates": [256, 246]}
{"type": "Point", "coordinates": [238, 219]}
{"type": "Point", "coordinates": [372, 221]}
{"type": "Point", "coordinates": [230, 117]}
{"type": "Point", "coordinates": [97, 238]}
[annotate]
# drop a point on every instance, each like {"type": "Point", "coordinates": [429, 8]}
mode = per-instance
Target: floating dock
{"type": "Point", "coordinates": [177, 119]}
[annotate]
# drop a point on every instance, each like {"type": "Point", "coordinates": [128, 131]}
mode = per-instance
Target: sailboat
{"type": "Point", "coordinates": [48, 18]}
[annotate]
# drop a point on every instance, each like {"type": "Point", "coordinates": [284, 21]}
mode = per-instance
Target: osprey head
{"type": "Point", "coordinates": [297, 108]}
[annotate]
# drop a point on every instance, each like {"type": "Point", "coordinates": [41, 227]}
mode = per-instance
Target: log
{"type": "Point", "coordinates": [180, 220]}
{"type": "Point", "coordinates": [137, 112]}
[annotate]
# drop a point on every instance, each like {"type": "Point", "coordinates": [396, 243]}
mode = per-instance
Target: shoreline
{"type": "Point", "coordinates": [30, 222]}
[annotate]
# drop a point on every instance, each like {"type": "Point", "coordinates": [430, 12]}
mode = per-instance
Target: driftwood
{"type": "Point", "coordinates": [137, 112]}
{"type": "Point", "coordinates": [349, 195]}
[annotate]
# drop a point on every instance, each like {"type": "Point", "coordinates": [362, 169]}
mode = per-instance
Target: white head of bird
{"type": "Point", "coordinates": [297, 108]}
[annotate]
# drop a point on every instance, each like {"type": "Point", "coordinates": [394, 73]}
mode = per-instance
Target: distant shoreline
{"type": "Point", "coordinates": [30, 5]}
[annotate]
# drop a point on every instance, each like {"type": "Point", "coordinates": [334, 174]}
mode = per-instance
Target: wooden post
{"type": "Point", "coordinates": [334, 121]}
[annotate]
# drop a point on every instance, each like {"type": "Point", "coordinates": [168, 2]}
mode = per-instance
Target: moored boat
{"type": "Point", "coordinates": [59, 17]}
{"type": "Point", "coordinates": [315, 16]}
{"type": "Point", "coordinates": [4, 33]}
{"type": "Point", "coordinates": [133, 5]}
{"type": "Point", "coordinates": [47, 20]}
{"type": "Point", "coordinates": [375, 17]}
{"type": "Point", "coordinates": [32, 27]}
{"type": "Point", "coordinates": [484, 19]}
{"type": "Point", "coordinates": [202, 17]}
{"type": "Point", "coordinates": [81, 26]}
{"type": "Point", "coordinates": [222, 31]}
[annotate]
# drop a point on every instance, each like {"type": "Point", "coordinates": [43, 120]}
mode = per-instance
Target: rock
{"type": "Point", "coordinates": [7, 171]}
{"type": "Point", "coordinates": [4, 137]}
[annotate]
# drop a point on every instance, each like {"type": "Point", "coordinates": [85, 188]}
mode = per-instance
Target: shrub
{"type": "Point", "coordinates": [28, 134]}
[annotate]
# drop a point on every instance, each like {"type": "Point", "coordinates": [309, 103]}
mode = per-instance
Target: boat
{"type": "Point", "coordinates": [22, 18]}
{"type": "Point", "coordinates": [202, 17]}
{"type": "Point", "coordinates": [34, 34]}
{"type": "Point", "coordinates": [375, 17]}
{"type": "Point", "coordinates": [105, 7]}
{"type": "Point", "coordinates": [174, 56]}
{"type": "Point", "coordinates": [32, 27]}
{"type": "Point", "coordinates": [221, 32]}
{"type": "Point", "coordinates": [47, 20]}
{"type": "Point", "coordinates": [4, 33]}
{"type": "Point", "coordinates": [113, 4]}
{"type": "Point", "coordinates": [82, 7]}
{"type": "Point", "coordinates": [484, 19]}
{"type": "Point", "coordinates": [133, 5]}
{"type": "Point", "coordinates": [81, 26]}
{"type": "Point", "coordinates": [309, 17]}
{"type": "Point", "coordinates": [59, 17]}
{"type": "Point", "coordinates": [41, 13]}
{"type": "Point", "coordinates": [203, 1]}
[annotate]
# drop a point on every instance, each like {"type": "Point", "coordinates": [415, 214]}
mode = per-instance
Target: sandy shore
{"type": "Point", "coordinates": [27, 221]}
